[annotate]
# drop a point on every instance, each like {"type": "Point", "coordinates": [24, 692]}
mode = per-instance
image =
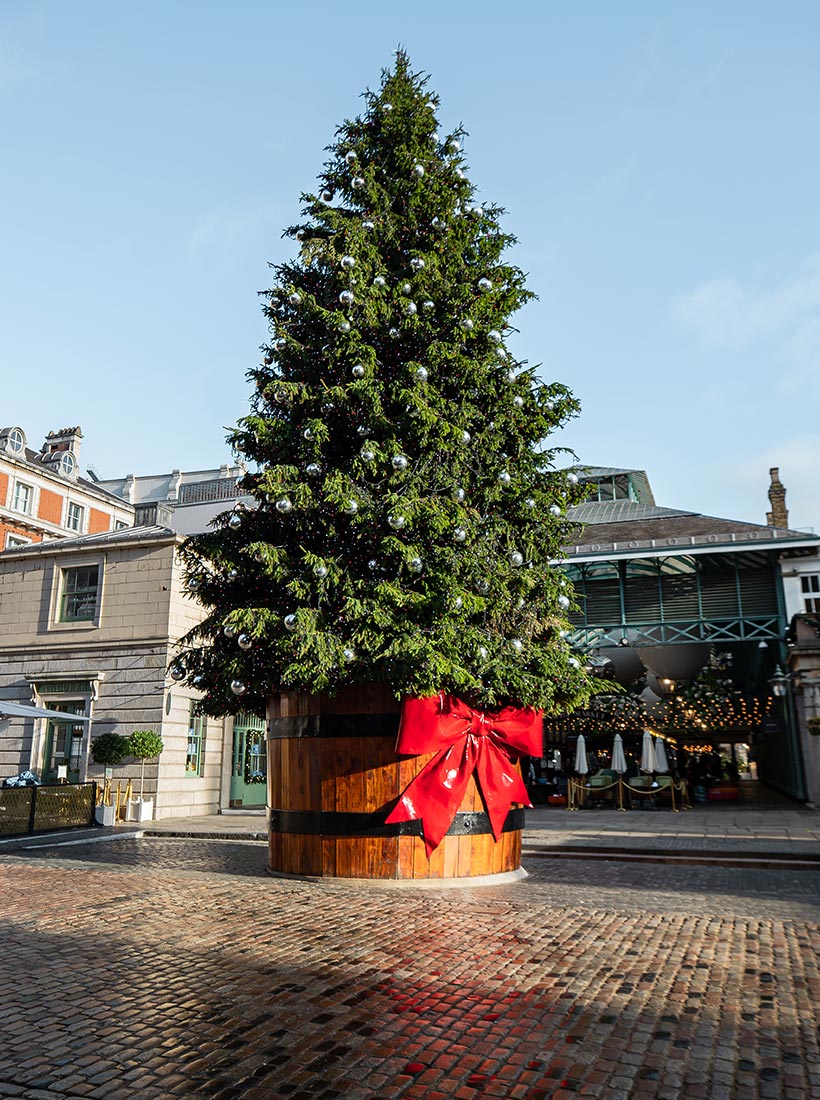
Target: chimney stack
{"type": "Point", "coordinates": [779, 515]}
{"type": "Point", "coordinates": [65, 439]}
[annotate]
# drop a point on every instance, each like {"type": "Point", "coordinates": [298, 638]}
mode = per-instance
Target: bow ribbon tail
{"type": "Point", "coordinates": [499, 782]}
{"type": "Point", "coordinates": [435, 794]}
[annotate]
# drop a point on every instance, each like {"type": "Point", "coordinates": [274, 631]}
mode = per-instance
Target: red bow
{"type": "Point", "coordinates": [468, 741]}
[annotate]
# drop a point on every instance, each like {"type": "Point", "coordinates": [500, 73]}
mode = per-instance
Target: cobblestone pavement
{"type": "Point", "coordinates": [161, 968]}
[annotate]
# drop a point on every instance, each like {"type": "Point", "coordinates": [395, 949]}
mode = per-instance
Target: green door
{"type": "Point", "coordinates": [64, 743]}
{"type": "Point", "coordinates": [249, 773]}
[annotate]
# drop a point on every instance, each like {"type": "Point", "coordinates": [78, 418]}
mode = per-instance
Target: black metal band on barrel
{"type": "Point", "coordinates": [334, 725]}
{"type": "Point", "coordinates": [332, 823]}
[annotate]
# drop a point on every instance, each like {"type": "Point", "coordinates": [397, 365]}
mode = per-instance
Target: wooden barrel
{"type": "Point", "coordinates": [333, 777]}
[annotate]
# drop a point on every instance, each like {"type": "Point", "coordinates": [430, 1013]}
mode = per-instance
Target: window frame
{"type": "Point", "coordinates": [79, 511]}
{"type": "Point", "coordinates": [63, 574]}
{"type": "Point", "coordinates": [197, 732]}
{"type": "Point", "coordinates": [29, 489]}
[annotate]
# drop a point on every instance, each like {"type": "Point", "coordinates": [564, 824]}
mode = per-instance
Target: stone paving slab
{"type": "Point", "coordinates": [166, 967]}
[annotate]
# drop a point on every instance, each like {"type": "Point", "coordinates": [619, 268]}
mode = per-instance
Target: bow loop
{"type": "Point", "coordinates": [466, 741]}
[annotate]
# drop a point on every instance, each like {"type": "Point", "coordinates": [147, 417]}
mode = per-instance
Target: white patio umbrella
{"type": "Point", "coordinates": [661, 763]}
{"type": "Point", "coordinates": [581, 765]}
{"type": "Point", "coordinates": [648, 762]}
{"type": "Point", "coordinates": [618, 758]}
{"type": "Point", "coordinates": [22, 710]}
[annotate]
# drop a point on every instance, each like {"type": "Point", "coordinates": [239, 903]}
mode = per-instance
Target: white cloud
{"type": "Point", "coordinates": [784, 319]}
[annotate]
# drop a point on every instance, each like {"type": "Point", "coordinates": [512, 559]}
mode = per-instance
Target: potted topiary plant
{"type": "Point", "coordinates": [109, 750]}
{"type": "Point", "coordinates": [143, 745]}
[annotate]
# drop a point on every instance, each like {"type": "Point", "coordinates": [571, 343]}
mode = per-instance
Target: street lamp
{"type": "Point", "coordinates": [779, 682]}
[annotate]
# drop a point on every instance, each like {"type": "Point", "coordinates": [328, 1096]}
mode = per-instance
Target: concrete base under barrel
{"type": "Point", "coordinates": [333, 777]}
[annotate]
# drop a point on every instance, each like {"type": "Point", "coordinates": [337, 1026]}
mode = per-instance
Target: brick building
{"type": "Point", "coordinates": [44, 496]}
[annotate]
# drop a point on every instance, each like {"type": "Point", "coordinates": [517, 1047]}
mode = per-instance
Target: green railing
{"type": "Point", "coordinates": [26, 810]}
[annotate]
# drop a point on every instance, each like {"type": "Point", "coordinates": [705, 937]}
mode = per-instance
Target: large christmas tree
{"type": "Point", "coordinates": [408, 510]}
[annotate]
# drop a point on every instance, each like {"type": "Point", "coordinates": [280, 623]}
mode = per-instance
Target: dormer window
{"type": "Point", "coordinates": [13, 440]}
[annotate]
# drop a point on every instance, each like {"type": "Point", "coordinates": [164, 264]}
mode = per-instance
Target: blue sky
{"type": "Point", "coordinates": [658, 162]}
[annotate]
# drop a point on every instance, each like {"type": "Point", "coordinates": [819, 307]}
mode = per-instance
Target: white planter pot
{"type": "Point", "coordinates": [105, 815]}
{"type": "Point", "coordinates": [140, 809]}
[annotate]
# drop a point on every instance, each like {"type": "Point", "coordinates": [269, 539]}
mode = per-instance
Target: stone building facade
{"type": "Point", "coordinates": [89, 625]}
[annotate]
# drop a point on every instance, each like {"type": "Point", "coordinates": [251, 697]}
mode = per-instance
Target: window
{"type": "Point", "coordinates": [119, 525]}
{"type": "Point", "coordinates": [13, 541]}
{"type": "Point", "coordinates": [23, 496]}
{"type": "Point", "coordinates": [811, 592]}
{"type": "Point", "coordinates": [75, 517]}
{"type": "Point", "coordinates": [16, 441]}
{"type": "Point", "coordinates": [195, 755]}
{"type": "Point", "coordinates": [78, 601]}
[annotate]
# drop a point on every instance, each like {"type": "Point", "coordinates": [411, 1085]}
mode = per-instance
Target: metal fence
{"type": "Point", "coordinates": [25, 810]}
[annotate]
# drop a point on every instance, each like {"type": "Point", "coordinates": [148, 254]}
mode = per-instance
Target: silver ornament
{"type": "Point", "coordinates": [367, 224]}
{"type": "Point", "coordinates": [529, 502]}
{"type": "Point", "coordinates": [417, 263]}
{"type": "Point", "coordinates": [427, 305]}
{"type": "Point", "coordinates": [259, 556]}
{"type": "Point", "coordinates": [235, 521]}
{"type": "Point", "coordinates": [351, 157]}
{"type": "Point", "coordinates": [418, 170]}
{"type": "Point", "coordinates": [357, 182]}
{"type": "Point", "coordinates": [307, 434]}
{"type": "Point", "coordinates": [368, 455]}
{"type": "Point", "coordinates": [346, 298]}
{"type": "Point", "coordinates": [420, 374]}
{"type": "Point", "coordinates": [281, 344]}
{"type": "Point", "coordinates": [504, 478]}
{"type": "Point", "coordinates": [459, 174]}
{"type": "Point", "coordinates": [348, 654]}
{"type": "Point", "coordinates": [410, 310]}
{"type": "Point", "coordinates": [387, 107]}
{"type": "Point", "coordinates": [295, 298]}
{"type": "Point", "coordinates": [405, 289]}
{"type": "Point", "coordinates": [573, 662]}
{"type": "Point", "coordinates": [563, 602]}
{"type": "Point", "coordinates": [399, 462]}
{"type": "Point", "coordinates": [348, 262]}
{"type": "Point", "coordinates": [396, 521]}
{"type": "Point", "coordinates": [373, 565]}
{"type": "Point", "coordinates": [516, 558]}
{"type": "Point", "coordinates": [280, 397]}
{"type": "Point", "coordinates": [327, 196]}
{"type": "Point", "coordinates": [458, 495]}
{"type": "Point", "coordinates": [517, 645]}
{"type": "Point", "coordinates": [415, 565]}
{"type": "Point", "coordinates": [549, 406]}
{"type": "Point", "coordinates": [358, 371]}
{"type": "Point", "coordinates": [484, 285]}
{"type": "Point", "coordinates": [482, 586]}
{"type": "Point", "coordinates": [458, 603]}
{"type": "Point", "coordinates": [494, 335]}
{"type": "Point", "coordinates": [290, 622]}
{"type": "Point", "coordinates": [380, 281]}
{"type": "Point", "coordinates": [393, 333]}
{"type": "Point", "coordinates": [313, 469]}
{"type": "Point", "coordinates": [177, 671]}
{"type": "Point", "coordinates": [572, 478]}
{"type": "Point", "coordinates": [518, 401]}
{"type": "Point", "coordinates": [244, 641]}
{"type": "Point", "coordinates": [459, 534]}
{"type": "Point", "coordinates": [344, 326]}
{"type": "Point", "coordinates": [363, 430]}
{"type": "Point", "coordinates": [511, 374]}
{"type": "Point", "coordinates": [351, 508]}
{"type": "Point", "coordinates": [320, 571]}
{"type": "Point", "coordinates": [465, 437]}
{"type": "Point", "coordinates": [193, 584]}
{"type": "Point", "coordinates": [482, 652]}
{"type": "Point", "coordinates": [467, 325]}
{"type": "Point", "coordinates": [284, 506]}
{"type": "Point", "coordinates": [233, 574]}
{"type": "Point", "coordinates": [555, 510]}
{"type": "Point", "coordinates": [228, 630]}
{"type": "Point", "coordinates": [237, 687]}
